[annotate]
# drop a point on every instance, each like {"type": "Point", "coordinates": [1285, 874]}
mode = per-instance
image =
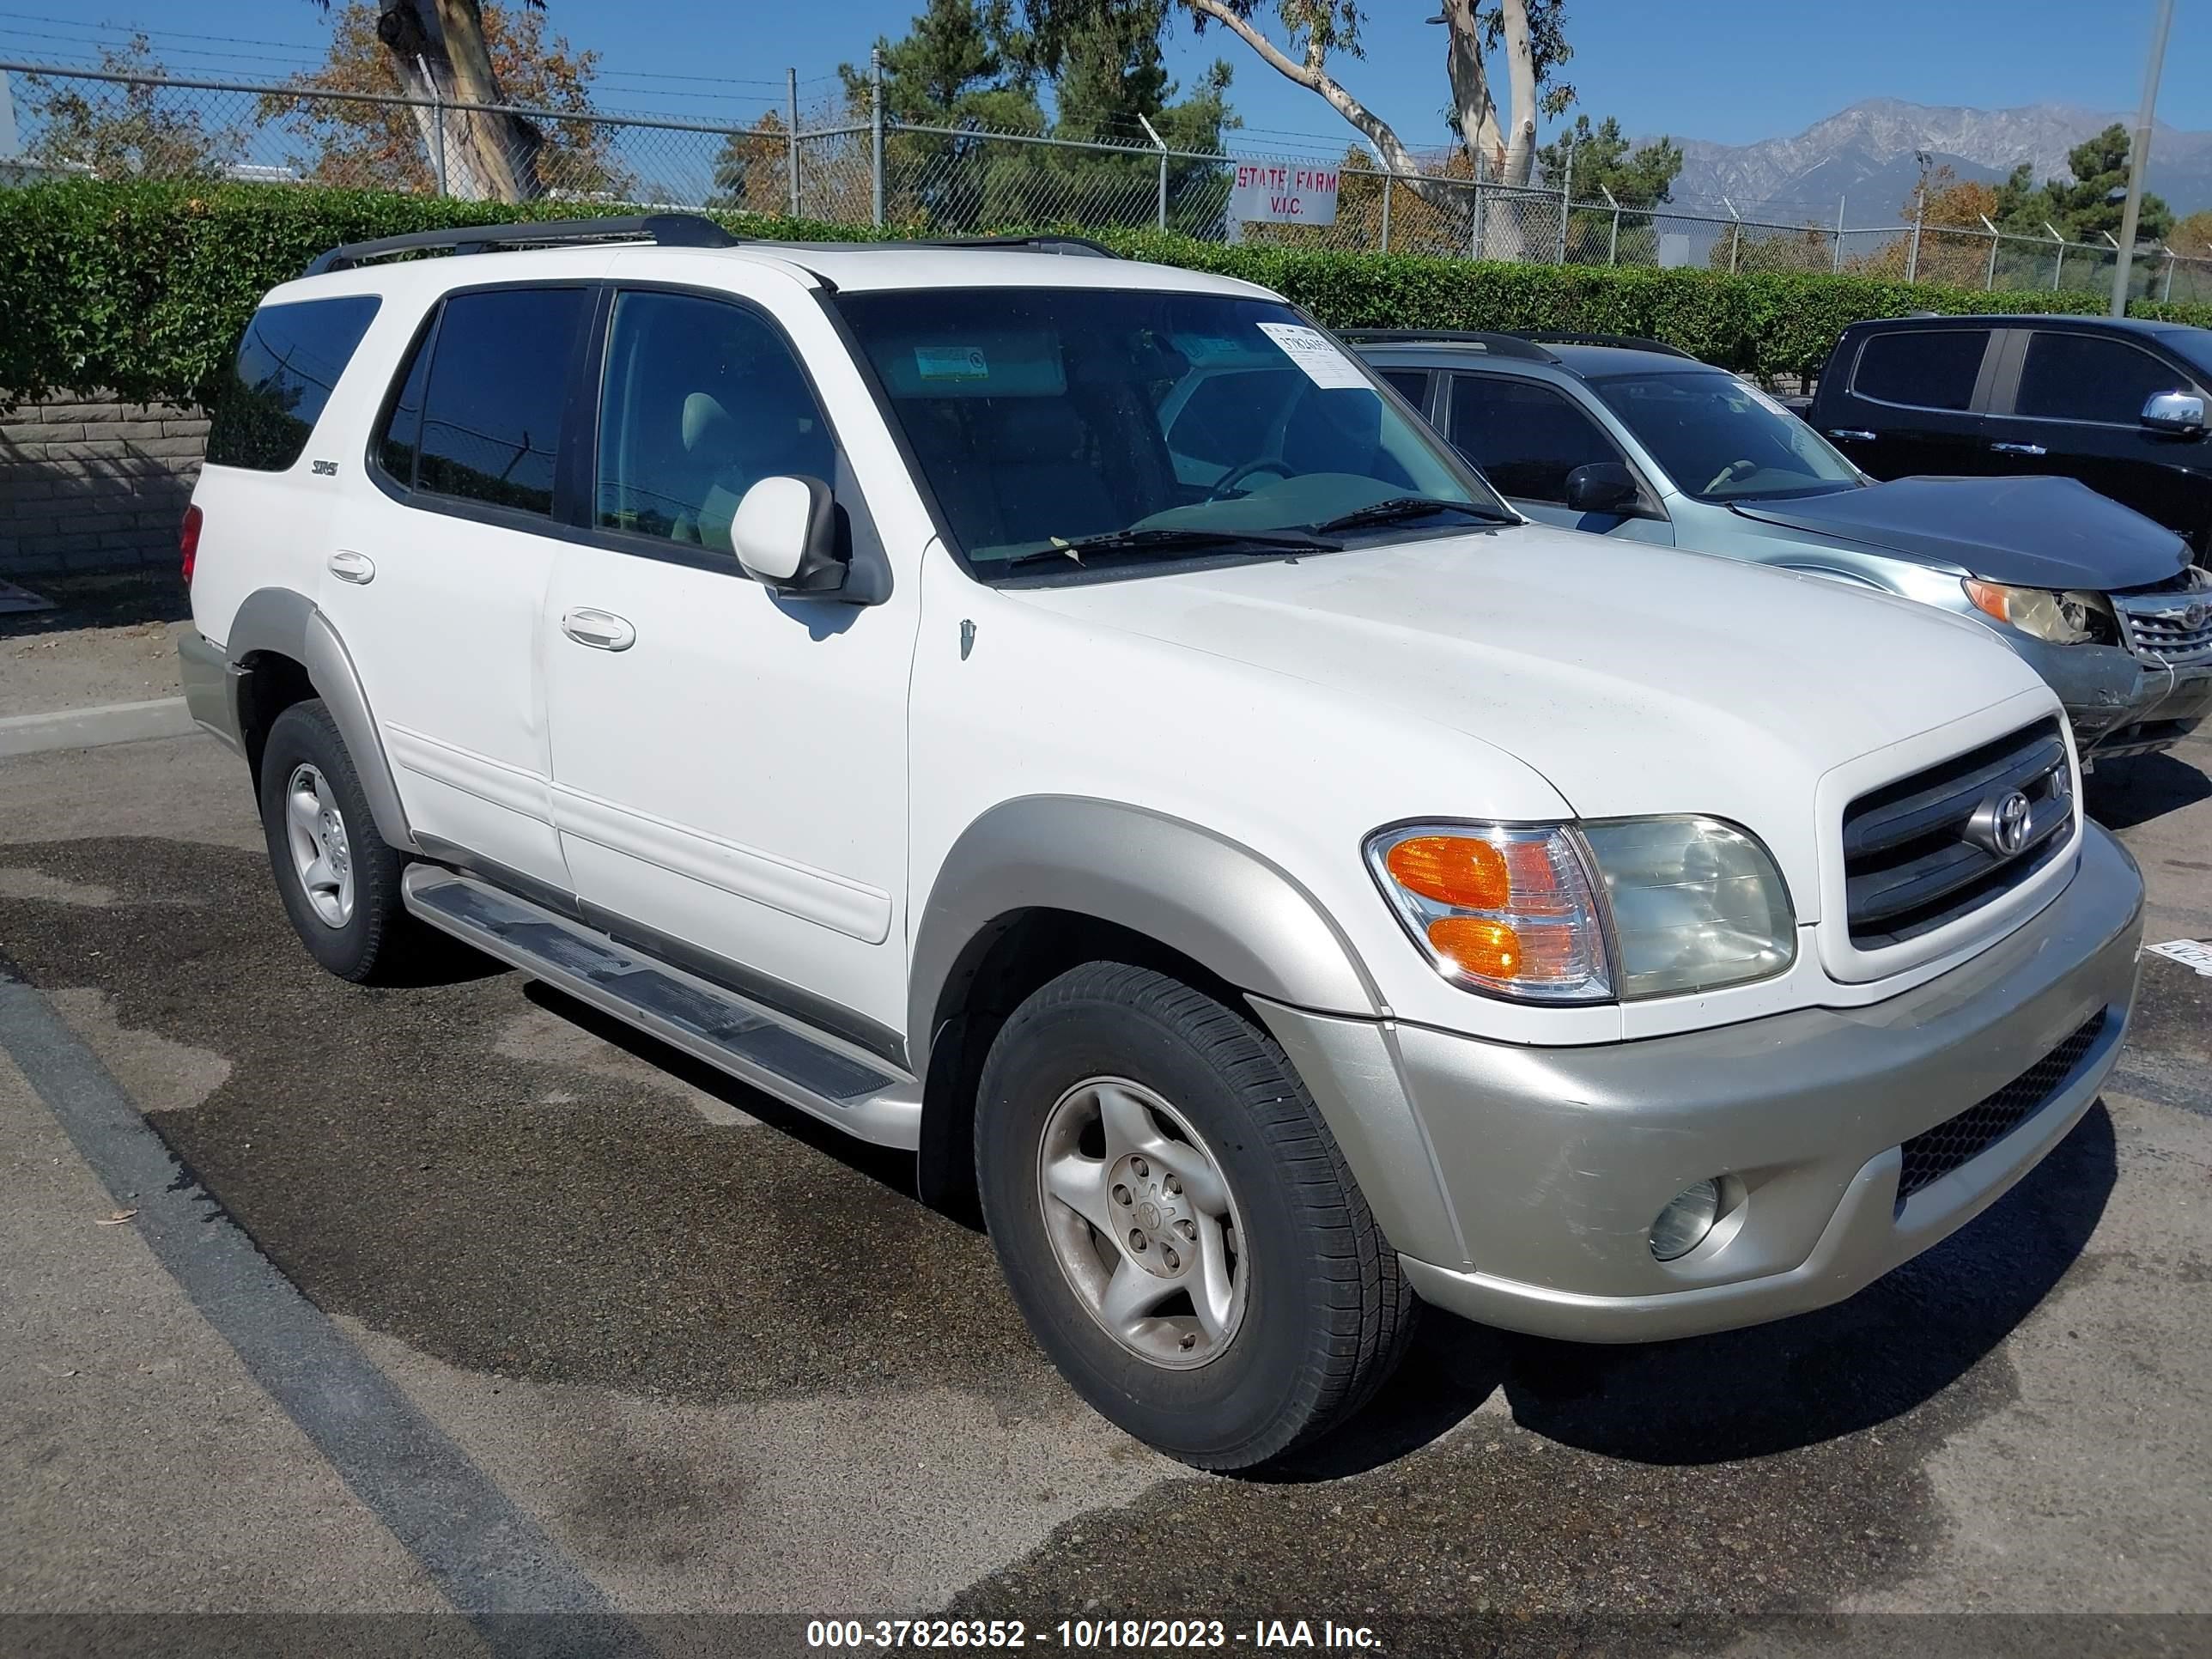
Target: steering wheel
{"type": "Point", "coordinates": [1729, 474]}
{"type": "Point", "coordinates": [1236, 475]}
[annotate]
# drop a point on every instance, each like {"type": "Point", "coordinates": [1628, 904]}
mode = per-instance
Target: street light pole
{"type": "Point", "coordinates": [2139, 157]}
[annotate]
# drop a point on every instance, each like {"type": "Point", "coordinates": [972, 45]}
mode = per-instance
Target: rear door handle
{"type": "Point", "coordinates": [1856, 435]}
{"type": "Point", "coordinates": [600, 629]}
{"type": "Point", "coordinates": [2020, 449]}
{"type": "Point", "coordinates": [355, 568]}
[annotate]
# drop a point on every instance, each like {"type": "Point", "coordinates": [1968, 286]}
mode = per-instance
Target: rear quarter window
{"type": "Point", "coordinates": [287, 364]}
{"type": "Point", "coordinates": [1921, 367]}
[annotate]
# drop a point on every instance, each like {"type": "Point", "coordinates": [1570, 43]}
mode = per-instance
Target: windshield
{"type": "Point", "coordinates": [1164, 425]}
{"type": "Point", "coordinates": [2194, 345]}
{"type": "Point", "coordinates": [1721, 439]}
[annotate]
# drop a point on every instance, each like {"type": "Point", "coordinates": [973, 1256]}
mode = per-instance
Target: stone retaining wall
{"type": "Point", "coordinates": [88, 484]}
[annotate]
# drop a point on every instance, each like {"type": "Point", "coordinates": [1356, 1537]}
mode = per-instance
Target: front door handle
{"type": "Point", "coordinates": [355, 568]}
{"type": "Point", "coordinates": [1854, 434]}
{"type": "Point", "coordinates": [2020, 449]}
{"type": "Point", "coordinates": [600, 629]}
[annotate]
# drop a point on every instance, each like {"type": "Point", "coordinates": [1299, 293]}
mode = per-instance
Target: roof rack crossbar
{"type": "Point", "coordinates": [667, 229]}
{"type": "Point", "coordinates": [1491, 341]}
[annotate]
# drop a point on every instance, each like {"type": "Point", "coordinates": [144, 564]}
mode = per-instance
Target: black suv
{"type": "Point", "coordinates": [2119, 404]}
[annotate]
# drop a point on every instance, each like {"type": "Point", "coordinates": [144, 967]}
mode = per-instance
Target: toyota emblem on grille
{"type": "Point", "coordinates": [2000, 823]}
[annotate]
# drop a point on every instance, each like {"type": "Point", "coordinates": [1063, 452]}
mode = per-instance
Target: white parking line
{"type": "Point", "coordinates": [88, 728]}
{"type": "Point", "coordinates": [489, 1559]}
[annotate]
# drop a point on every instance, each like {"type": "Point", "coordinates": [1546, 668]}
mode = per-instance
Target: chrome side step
{"type": "Point", "coordinates": [817, 1073]}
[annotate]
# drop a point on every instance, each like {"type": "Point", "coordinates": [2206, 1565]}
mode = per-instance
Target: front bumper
{"type": "Point", "coordinates": [2118, 703]}
{"type": "Point", "coordinates": [1524, 1180]}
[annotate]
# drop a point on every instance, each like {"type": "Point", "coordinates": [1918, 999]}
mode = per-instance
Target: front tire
{"type": "Point", "coordinates": [339, 878]}
{"type": "Point", "coordinates": [1176, 1223]}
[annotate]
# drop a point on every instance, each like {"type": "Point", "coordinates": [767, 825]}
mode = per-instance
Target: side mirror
{"type": "Point", "coordinates": [1603, 487]}
{"type": "Point", "coordinates": [2181, 413]}
{"type": "Point", "coordinates": [785, 535]}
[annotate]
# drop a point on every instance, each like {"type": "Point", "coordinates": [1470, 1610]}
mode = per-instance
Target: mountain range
{"type": "Point", "coordinates": [1866, 157]}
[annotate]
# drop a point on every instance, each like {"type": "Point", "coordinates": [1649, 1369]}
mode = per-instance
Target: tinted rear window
{"type": "Point", "coordinates": [1926, 367]}
{"type": "Point", "coordinates": [490, 420]}
{"type": "Point", "coordinates": [288, 365]}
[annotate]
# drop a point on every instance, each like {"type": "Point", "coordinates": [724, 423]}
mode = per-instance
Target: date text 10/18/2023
{"type": "Point", "coordinates": [1258, 1636]}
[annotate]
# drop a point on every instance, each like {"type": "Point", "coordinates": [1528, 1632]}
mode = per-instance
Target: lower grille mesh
{"type": "Point", "coordinates": [1934, 1153]}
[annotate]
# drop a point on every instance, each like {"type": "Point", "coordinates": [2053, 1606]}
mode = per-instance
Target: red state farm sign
{"type": "Point", "coordinates": [1279, 193]}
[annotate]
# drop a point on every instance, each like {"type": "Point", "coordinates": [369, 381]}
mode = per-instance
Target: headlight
{"type": "Point", "coordinates": [1696, 903]}
{"type": "Point", "coordinates": [1687, 904]}
{"type": "Point", "coordinates": [2064, 619]}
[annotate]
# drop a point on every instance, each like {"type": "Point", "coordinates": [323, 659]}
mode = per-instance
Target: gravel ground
{"type": "Point", "coordinates": [110, 639]}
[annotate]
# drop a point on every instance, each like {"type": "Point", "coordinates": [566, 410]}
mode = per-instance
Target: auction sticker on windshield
{"type": "Point", "coordinates": [1314, 354]}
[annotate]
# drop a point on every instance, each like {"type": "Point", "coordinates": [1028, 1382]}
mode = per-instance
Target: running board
{"type": "Point", "coordinates": [819, 1074]}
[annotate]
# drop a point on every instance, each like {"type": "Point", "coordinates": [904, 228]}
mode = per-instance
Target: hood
{"type": "Point", "coordinates": [1634, 679]}
{"type": "Point", "coordinates": [2027, 532]}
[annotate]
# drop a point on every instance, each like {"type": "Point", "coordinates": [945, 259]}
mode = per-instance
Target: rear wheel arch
{"type": "Point", "coordinates": [287, 652]}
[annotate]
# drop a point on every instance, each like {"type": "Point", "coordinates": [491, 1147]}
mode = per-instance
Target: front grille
{"type": "Point", "coordinates": [1934, 1153]}
{"type": "Point", "coordinates": [1919, 853]}
{"type": "Point", "coordinates": [2172, 622]}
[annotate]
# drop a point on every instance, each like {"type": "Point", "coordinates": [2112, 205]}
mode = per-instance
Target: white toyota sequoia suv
{"type": "Point", "coordinates": [1205, 824]}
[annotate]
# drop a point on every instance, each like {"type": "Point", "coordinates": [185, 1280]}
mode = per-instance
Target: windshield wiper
{"type": "Point", "coordinates": [1171, 539]}
{"type": "Point", "coordinates": [1399, 507]}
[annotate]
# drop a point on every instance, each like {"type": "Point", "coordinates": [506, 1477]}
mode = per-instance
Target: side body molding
{"type": "Point", "coordinates": [278, 620]}
{"type": "Point", "coordinates": [1220, 903]}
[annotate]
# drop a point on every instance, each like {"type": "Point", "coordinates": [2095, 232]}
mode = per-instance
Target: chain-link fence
{"type": "Point", "coordinates": [845, 165]}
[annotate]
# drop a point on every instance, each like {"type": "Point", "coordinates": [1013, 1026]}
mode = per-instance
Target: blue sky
{"type": "Point", "coordinates": [1734, 70]}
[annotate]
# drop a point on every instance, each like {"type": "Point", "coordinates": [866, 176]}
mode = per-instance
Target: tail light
{"type": "Point", "coordinates": [188, 542]}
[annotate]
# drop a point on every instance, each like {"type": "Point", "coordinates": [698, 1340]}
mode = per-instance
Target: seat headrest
{"type": "Point", "coordinates": [707, 424]}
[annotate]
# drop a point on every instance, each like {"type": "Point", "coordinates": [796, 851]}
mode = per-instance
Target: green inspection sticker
{"type": "Point", "coordinates": [950, 363]}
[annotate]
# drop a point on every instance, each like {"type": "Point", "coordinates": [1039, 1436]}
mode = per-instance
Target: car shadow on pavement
{"type": "Point", "coordinates": [890, 1169]}
{"type": "Point", "coordinates": [1772, 1388]}
{"type": "Point", "coordinates": [2124, 794]}
{"type": "Point", "coordinates": [110, 599]}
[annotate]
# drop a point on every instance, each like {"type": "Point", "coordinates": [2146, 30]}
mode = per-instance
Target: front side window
{"type": "Point", "coordinates": [1721, 439]}
{"type": "Point", "coordinates": [481, 422]}
{"type": "Point", "coordinates": [1060, 429]}
{"type": "Point", "coordinates": [287, 364]}
{"type": "Point", "coordinates": [2082, 377]}
{"type": "Point", "coordinates": [1924, 367]}
{"type": "Point", "coordinates": [1526, 438]}
{"type": "Point", "coordinates": [701, 400]}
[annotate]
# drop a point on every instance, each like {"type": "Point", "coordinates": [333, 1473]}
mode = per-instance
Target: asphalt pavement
{"type": "Point", "coordinates": [698, 1371]}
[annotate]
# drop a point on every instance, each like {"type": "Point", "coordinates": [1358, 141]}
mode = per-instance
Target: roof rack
{"type": "Point", "coordinates": [1628, 342]}
{"type": "Point", "coordinates": [664, 230]}
{"type": "Point", "coordinates": [1497, 344]}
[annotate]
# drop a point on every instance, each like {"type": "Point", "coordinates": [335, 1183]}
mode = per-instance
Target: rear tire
{"type": "Point", "coordinates": [339, 878]}
{"type": "Point", "coordinates": [1175, 1221]}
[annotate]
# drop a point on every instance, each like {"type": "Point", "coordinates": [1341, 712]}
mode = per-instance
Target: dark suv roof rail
{"type": "Point", "coordinates": [1498, 346]}
{"type": "Point", "coordinates": [668, 230]}
{"type": "Point", "coordinates": [1043, 242]}
{"type": "Point", "coordinates": [1627, 342]}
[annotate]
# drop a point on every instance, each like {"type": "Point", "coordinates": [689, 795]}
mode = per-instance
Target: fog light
{"type": "Point", "coordinates": [1682, 1226]}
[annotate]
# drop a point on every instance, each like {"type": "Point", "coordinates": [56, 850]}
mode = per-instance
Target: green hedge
{"type": "Point", "coordinates": [143, 287]}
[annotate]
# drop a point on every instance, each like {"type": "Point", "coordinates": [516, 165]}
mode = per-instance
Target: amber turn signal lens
{"type": "Point", "coordinates": [1489, 948]}
{"type": "Point", "coordinates": [1990, 598]}
{"type": "Point", "coordinates": [1454, 870]}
